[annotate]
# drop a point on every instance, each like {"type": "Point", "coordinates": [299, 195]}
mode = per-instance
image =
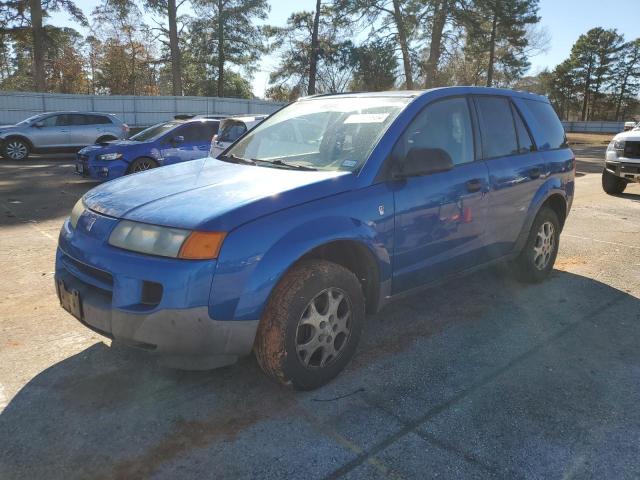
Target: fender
{"type": "Point", "coordinates": [255, 256]}
{"type": "Point", "coordinates": [552, 186]}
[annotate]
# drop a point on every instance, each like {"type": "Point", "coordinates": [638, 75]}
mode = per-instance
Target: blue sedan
{"type": "Point", "coordinates": [163, 144]}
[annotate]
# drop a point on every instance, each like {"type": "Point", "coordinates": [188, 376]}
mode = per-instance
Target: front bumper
{"type": "Point", "coordinates": [628, 170]}
{"type": "Point", "coordinates": [101, 171]}
{"type": "Point", "coordinates": [158, 304]}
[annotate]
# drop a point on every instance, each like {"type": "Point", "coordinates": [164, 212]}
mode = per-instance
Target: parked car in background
{"type": "Point", "coordinates": [231, 129]}
{"type": "Point", "coordinates": [162, 144]}
{"type": "Point", "coordinates": [629, 125]}
{"type": "Point", "coordinates": [59, 132]}
{"type": "Point", "coordinates": [622, 162]}
{"type": "Point", "coordinates": [281, 250]}
{"type": "Point", "coordinates": [188, 116]}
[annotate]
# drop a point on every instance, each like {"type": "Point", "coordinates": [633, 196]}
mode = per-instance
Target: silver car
{"type": "Point", "coordinates": [59, 132]}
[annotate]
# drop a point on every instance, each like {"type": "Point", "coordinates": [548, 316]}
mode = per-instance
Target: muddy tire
{"type": "Point", "coordinates": [311, 326]}
{"type": "Point", "coordinates": [611, 184]}
{"type": "Point", "coordinates": [536, 260]}
{"type": "Point", "coordinates": [141, 164]}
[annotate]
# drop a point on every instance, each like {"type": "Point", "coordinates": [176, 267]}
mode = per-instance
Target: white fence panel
{"type": "Point", "coordinates": [593, 127]}
{"type": "Point", "coordinates": [137, 111]}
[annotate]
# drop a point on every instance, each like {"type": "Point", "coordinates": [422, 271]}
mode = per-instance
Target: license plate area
{"type": "Point", "coordinates": [69, 299]}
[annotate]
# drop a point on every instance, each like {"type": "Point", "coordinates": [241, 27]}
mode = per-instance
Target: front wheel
{"type": "Point", "coordinates": [611, 184]}
{"type": "Point", "coordinates": [311, 325]}
{"type": "Point", "coordinates": [15, 149]}
{"type": "Point", "coordinates": [536, 260]}
{"type": "Point", "coordinates": [141, 164]}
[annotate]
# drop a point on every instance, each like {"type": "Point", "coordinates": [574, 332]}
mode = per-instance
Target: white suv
{"type": "Point", "coordinates": [231, 129]}
{"type": "Point", "coordinates": [622, 164]}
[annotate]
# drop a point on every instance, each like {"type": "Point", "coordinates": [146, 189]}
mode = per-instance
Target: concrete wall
{"type": "Point", "coordinates": [134, 110]}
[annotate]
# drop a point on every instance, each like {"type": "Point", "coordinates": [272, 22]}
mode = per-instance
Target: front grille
{"type": "Point", "coordinates": [627, 168]}
{"type": "Point", "coordinates": [632, 150]}
{"type": "Point", "coordinates": [101, 278]}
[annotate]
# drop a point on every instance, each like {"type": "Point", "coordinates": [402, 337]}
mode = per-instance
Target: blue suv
{"type": "Point", "coordinates": [163, 144]}
{"type": "Point", "coordinates": [328, 209]}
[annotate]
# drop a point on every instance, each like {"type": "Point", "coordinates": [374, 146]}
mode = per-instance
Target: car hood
{"type": "Point", "coordinates": [209, 194]}
{"type": "Point", "coordinates": [629, 135]}
{"type": "Point", "coordinates": [110, 146]}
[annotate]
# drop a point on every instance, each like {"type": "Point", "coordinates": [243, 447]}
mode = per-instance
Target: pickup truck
{"type": "Point", "coordinates": [280, 248]}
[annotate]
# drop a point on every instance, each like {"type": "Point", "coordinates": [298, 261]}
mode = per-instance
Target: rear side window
{"type": "Point", "coordinates": [550, 129]}
{"type": "Point", "coordinates": [96, 119]}
{"type": "Point", "coordinates": [497, 127]}
{"type": "Point", "coordinates": [525, 143]}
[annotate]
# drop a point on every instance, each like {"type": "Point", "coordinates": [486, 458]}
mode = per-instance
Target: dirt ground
{"type": "Point", "coordinates": [481, 378]}
{"type": "Point", "coordinates": [576, 139]}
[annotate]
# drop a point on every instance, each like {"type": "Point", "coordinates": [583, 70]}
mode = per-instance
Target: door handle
{"type": "Point", "coordinates": [474, 185]}
{"type": "Point", "coordinates": [535, 173]}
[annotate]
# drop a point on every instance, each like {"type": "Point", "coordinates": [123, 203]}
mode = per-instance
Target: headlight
{"type": "Point", "coordinates": [78, 209]}
{"type": "Point", "coordinates": [166, 241]}
{"type": "Point", "coordinates": [110, 156]}
{"type": "Point", "coordinates": [616, 146]}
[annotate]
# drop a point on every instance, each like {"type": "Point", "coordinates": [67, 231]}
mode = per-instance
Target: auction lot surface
{"type": "Point", "coordinates": [480, 378]}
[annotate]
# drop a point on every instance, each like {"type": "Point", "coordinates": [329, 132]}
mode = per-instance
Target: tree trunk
{"type": "Point", "coordinates": [492, 46]}
{"type": "Point", "coordinates": [39, 82]}
{"type": "Point", "coordinates": [313, 60]}
{"type": "Point", "coordinates": [587, 87]}
{"type": "Point", "coordinates": [174, 47]}
{"type": "Point", "coordinates": [435, 49]}
{"type": "Point", "coordinates": [404, 47]}
{"type": "Point", "coordinates": [221, 59]}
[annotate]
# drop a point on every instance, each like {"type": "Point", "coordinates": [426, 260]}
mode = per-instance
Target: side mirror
{"type": "Point", "coordinates": [177, 140]}
{"type": "Point", "coordinates": [423, 161]}
{"type": "Point", "coordinates": [38, 125]}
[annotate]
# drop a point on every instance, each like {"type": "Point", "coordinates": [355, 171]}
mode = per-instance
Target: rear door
{"type": "Point", "coordinates": [81, 132]}
{"type": "Point", "coordinates": [440, 218]}
{"type": "Point", "coordinates": [516, 169]}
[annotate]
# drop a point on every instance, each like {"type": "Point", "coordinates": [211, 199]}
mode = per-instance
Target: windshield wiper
{"type": "Point", "coordinates": [280, 163]}
{"type": "Point", "coordinates": [236, 159]}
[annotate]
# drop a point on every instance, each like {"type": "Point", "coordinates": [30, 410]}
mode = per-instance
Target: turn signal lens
{"type": "Point", "coordinates": [202, 245]}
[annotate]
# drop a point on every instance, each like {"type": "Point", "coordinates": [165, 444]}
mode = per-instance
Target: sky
{"type": "Point", "coordinates": [565, 21]}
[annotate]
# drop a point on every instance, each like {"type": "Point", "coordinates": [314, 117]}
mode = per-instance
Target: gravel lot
{"type": "Point", "coordinates": [482, 377]}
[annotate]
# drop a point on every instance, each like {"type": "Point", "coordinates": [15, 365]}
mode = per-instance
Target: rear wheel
{"type": "Point", "coordinates": [611, 184]}
{"type": "Point", "coordinates": [536, 260]}
{"type": "Point", "coordinates": [15, 149]}
{"type": "Point", "coordinates": [142, 164]}
{"type": "Point", "coordinates": [311, 326]}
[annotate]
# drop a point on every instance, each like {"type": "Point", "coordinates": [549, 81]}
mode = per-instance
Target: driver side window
{"type": "Point", "coordinates": [444, 125]}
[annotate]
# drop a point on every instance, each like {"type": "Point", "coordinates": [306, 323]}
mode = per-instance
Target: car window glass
{"type": "Point", "coordinates": [231, 131]}
{"type": "Point", "coordinates": [96, 120]}
{"type": "Point", "coordinates": [498, 132]}
{"type": "Point", "coordinates": [197, 132]}
{"type": "Point", "coordinates": [550, 129]}
{"type": "Point", "coordinates": [51, 121]}
{"type": "Point", "coordinates": [78, 120]}
{"type": "Point", "coordinates": [444, 125]}
{"type": "Point", "coordinates": [525, 143]}
{"type": "Point", "coordinates": [63, 120]}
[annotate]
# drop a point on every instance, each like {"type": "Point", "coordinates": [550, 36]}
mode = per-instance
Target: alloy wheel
{"type": "Point", "coordinates": [324, 328]}
{"type": "Point", "coordinates": [16, 150]}
{"type": "Point", "coordinates": [544, 245]}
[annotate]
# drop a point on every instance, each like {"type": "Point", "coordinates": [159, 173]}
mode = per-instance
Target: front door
{"type": "Point", "coordinates": [440, 218]}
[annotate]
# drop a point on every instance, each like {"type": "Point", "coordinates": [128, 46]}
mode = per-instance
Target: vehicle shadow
{"type": "Point", "coordinates": [39, 190]}
{"type": "Point", "coordinates": [111, 412]}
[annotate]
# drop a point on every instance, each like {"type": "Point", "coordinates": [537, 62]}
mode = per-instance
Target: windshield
{"type": "Point", "coordinates": [154, 132]}
{"type": "Point", "coordinates": [27, 121]}
{"type": "Point", "coordinates": [332, 133]}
